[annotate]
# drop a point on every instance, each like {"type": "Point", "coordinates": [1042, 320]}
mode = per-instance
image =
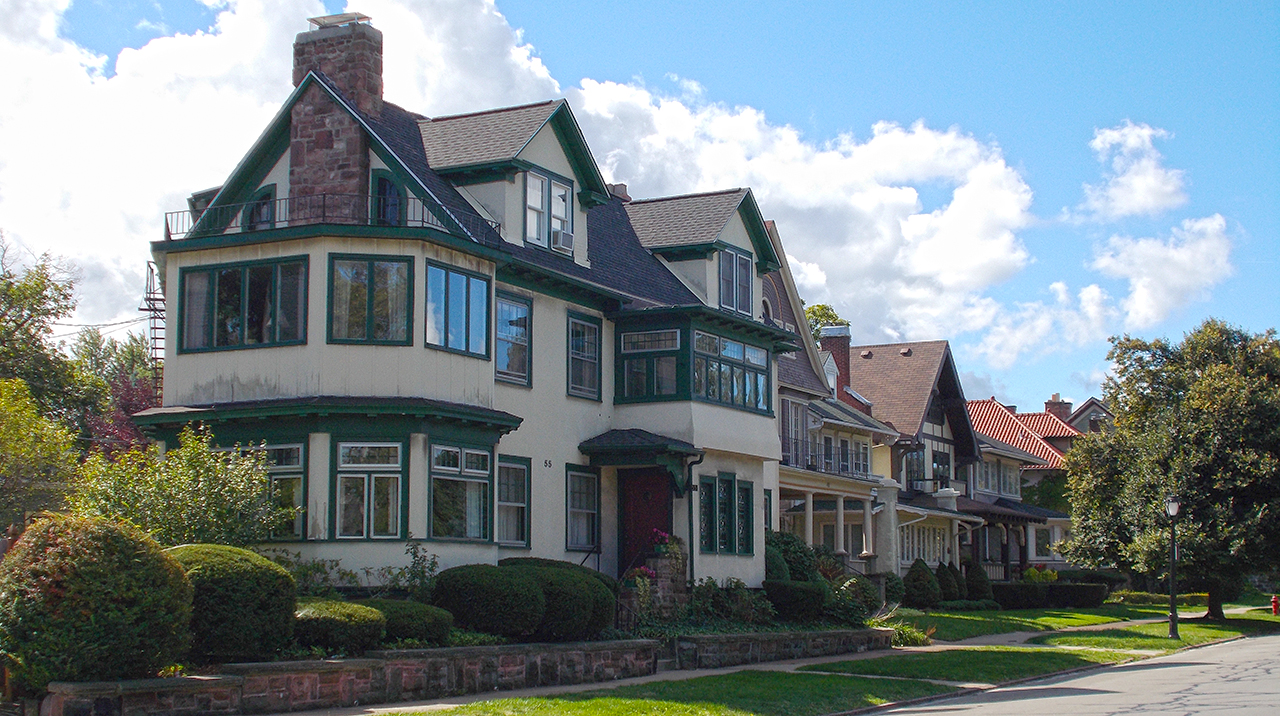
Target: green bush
{"type": "Point", "coordinates": [979, 585]}
{"type": "Point", "coordinates": [1093, 576]}
{"type": "Point", "coordinates": [339, 627]}
{"type": "Point", "coordinates": [801, 561]}
{"type": "Point", "coordinates": [242, 604]}
{"type": "Point", "coordinates": [796, 601]}
{"type": "Point", "coordinates": [894, 589]}
{"type": "Point", "coordinates": [85, 599]}
{"type": "Point", "coordinates": [1088, 596]}
{"type": "Point", "coordinates": [969, 605]}
{"type": "Point", "coordinates": [569, 603]}
{"type": "Point", "coordinates": [775, 567]}
{"type": "Point", "coordinates": [733, 601]}
{"type": "Point", "coordinates": [962, 587]}
{"type": "Point", "coordinates": [1150, 598]}
{"type": "Point", "coordinates": [495, 600]}
{"type": "Point", "coordinates": [1039, 575]}
{"type": "Point", "coordinates": [946, 582]}
{"type": "Point", "coordinates": [413, 620]}
{"type": "Point", "coordinates": [922, 587]}
{"type": "Point", "coordinates": [866, 591]}
{"type": "Point", "coordinates": [606, 580]}
{"type": "Point", "coordinates": [1041, 595]}
{"type": "Point", "coordinates": [846, 607]}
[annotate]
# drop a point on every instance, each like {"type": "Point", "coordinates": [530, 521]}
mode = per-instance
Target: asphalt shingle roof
{"type": "Point", "coordinates": [634, 439]}
{"type": "Point", "coordinates": [835, 410]}
{"type": "Point", "coordinates": [482, 137]}
{"type": "Point", "coordinates": [900, 386]}
{"type": "Point", "coordinates": [686, 220]}
{"type": "Point", "coordinates": [797, 370]}
{"type": "Point", "coordinates": [1034, 510]}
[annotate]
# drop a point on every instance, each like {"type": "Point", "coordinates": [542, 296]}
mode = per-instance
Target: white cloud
{"type": "Point", "coordinates": [1040, 327]}
{"type": "Point", "coordinates": [1137, 183]}
{"type": "Point", "coordinates": [809, 277]}
{"type": "Point", "coordinates": [1167, 274]}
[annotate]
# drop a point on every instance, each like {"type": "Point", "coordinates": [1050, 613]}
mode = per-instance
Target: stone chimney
{"type": "Point", "coordinates": [835, 340]}
{"type": "Point", "coordinates": [1059, 407]}
{"type": "Point", "coordinates": [347, 51]}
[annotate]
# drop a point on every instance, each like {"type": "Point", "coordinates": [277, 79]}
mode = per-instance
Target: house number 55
{"type": "Point", "coordinates": [546, 463]}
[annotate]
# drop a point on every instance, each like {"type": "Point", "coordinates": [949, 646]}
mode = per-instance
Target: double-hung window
{"type": "Point", "coordinates": [583, 533]}
{"type": "Point", "coordinates": [844, 456]}
{"type": "Point", "coordinates": [457, 311]}
{"type": "Point", "coordinates": [584, 356]}
{"type": "Point", "coordinates": [513, 501]}
{"type": "Point", "coordinates": [371, 299]}
{"type": "Point", "coordinates": [726, 506]}
{"type": "Point", "coordinates": [370, 476]}
{"type": "Point", "coordinates": [548, 217]}
{"type": "Point", "coordinates": [284, 465]}
{"type": "Point", "coordinates": [730, 372]}
{"type": "Point", "coordinates": [735, 281]}
{"type": "Point", "coordinates": [535, 215]}
{"type": "Point", "coordinates": [460, 480]}
{"type": "Point", "coordinates": [244, 305]}
{"type": "Point", "coordinates": [649, 363]}
{"type": "Point", "coordinates": [513, 336]}
{"type": "Point", "coordinates": [861, 453]}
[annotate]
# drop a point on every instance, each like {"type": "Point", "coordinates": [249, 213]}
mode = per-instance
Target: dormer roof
{"type": "Point", "coordinates": [688, 226]}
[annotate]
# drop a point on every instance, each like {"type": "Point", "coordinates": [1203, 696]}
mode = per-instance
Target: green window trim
{"type": "Point", "coordinates": [544, 210]}
{"type": "Point", "coordinates": [441, 322]}
{"type": "Point", "coordinates": [260, 214]}
{"type": "Point", "coordinates": [463, 474]}
{"type": "Point", "coordinates": [498, 372]}
{"type": "Point", "coordinates": [337, 471]}
{"type": "Point", "coordinates": [736, 280]}
{"type": "Point", "coordinates": [371, 298]}
{"type": "Point", "coordinates": [525, 464]}
{"type": "Point", "coordinates": [587, 392]}
{"type": "Point", "coordinates": [205, 336]}
{"type": "Point", "coordinates": [590, 510]}
{"type": "Point", "coordinates": [651, 369]}
{"type": "Point", "coordinates": [381, 205]}
{"type": "Point", "coordinates": [276, 472]}
{"type": "Point", "coordinates": [718, 370]}
{"type": "Point", "coordinates": [726, 509]}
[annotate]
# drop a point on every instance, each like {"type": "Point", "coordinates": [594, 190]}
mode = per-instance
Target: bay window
{"type": "Point", "coordinates": [370, 477]}
{"type": "Point", "coordinates": [244, 305]}
{"type": "Point", "coordinates": [457, 310]}
{"type": "Point", "coordinates": [370, 299]}
{"type": "Point", "coordinates": [729, 372]}
{"type": "Point", "coordinates": [460, 482]}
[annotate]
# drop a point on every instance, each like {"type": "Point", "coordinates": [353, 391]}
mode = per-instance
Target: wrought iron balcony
{"type": "Point", "coordinates": [349, 209]}
{"type": "Point", "coordinates": [810, 455]}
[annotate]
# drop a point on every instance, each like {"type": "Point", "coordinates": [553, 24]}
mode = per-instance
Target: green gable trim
{"type": "Point", "coordinates": [710, 319]}
{"type": "Point", "coordinates": [552, 283]}
{"type": "Point", "coordinates": [766, 258]}
{"type": "Point", "coordinates": [689, 252]}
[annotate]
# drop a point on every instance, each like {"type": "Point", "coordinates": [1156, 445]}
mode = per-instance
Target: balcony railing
{"type": "Point", "coordinates": [811, 455]}
{"type": "Point", "coordinates": [351, 209]}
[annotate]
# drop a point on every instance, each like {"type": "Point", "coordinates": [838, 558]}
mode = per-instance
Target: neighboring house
{"type": "Point", "coordinates": [914, 388]}
{"type": "Point", "coordinates": [1092, 416]}
{"type": "Point", "coordinates": [451, 329]}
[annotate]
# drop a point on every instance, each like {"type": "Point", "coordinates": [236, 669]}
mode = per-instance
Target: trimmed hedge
{"type": "Point", "coordinates": [570, 604]}
{"type": "Point", "coordinates": [609, 582]}
{"type": "Point", "coordinates": [506, 601]}
{"type": "Point", "coordinates": [894, 589]}
{"type": "Point", "coordinates": [946, 582]}
{"type": "Point", "coordinates": [412, 620]}
{"type": "Point", "coordinates": [86, 599]}
{"type": "Point", "coordinates": [1151, 598]}
{"type": "Point", "coordinates": [1040, 595]}
{"type": "Point", "coordinates": [339, 626]}
{"type": "Point", "coordinates": [961, 586]}
{"type": "Point", "coordinates": [796, 601]}
{"type": "Point", "coordinates": [922, 587]}
{"type": "Point", "coordinates": [969, 605]}
{"type": "Point", "coordinates": [242, 604]}
{"type": "Point", "coordinates": [1093, 576]}
{"type": "Point", "coordinates": [775, 567]}
{"type": "Point", "coordinates": [977, 582]}
{"type": "Point", "coordinates": [802, 563]}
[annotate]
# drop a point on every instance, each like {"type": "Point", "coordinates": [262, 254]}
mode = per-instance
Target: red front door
{"type": "Point", "coordinates": [645, 503]}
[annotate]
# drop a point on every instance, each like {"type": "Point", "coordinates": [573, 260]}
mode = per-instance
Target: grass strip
{"type": "Point", "coordinates": [954, 626]}
{"type": "Point", "coordinates": [1155, 637]}
{"type": "Point", "coordinates": [758, 693]}
{"type": "Point", "coordinates": [986, 665]}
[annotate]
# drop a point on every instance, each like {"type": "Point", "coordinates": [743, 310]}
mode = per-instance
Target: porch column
{"type": "Point", "coordinates": [1022, 547]}
{"type": "Point", "coordinates": [808, 518]}
{"type": "Point", "coordinates": [953, 544]}
{"type": "Point", "coordinates": [868, 530]}
{"type": "Point", "coordinates": [1031, 541]}
{"type": "Point", "coordinates": [1004, 550]}
{"type": "Point", "coordinates": [840, 546]}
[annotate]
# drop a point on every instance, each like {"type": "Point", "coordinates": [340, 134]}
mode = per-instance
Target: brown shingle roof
{"type": "Point", "coordinates": [795, 370]}
{"type": "Point", "coordinates": [686, 220]}
{"type": "Point", "coordinates": [482, 137]}
{"type": "Point", "coordinates": [899, 385]}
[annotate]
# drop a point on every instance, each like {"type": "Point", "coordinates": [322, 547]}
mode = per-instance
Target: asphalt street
{"type": "Point", "coordinates": [1239, 677]}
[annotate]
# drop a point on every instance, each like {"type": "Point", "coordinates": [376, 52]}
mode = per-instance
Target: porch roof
{"type": "Point", "coordinates": [1036, 510]}
{"type": "Point", "coordinates": [633, 440]}
{"type": "Point", "coordinates": [998, 512]}
{"type": "Point", "coordinates": [926, 505]}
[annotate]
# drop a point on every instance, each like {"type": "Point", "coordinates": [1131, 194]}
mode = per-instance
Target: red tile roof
{"type": "Point", "coordinates": [992, 419]}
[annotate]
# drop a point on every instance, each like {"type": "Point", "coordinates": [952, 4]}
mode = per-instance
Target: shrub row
{"type": "Point", "coordinates": [1039, 595]}
{"type": "Point", "coordinates": [969, 605]}
{"type": "Point", "coordinates": [796, 601]}
{"type": "Point", "coordinates": [1184, 600]}
{"type": "Point", "coordinates": [526, 599]}
{"type": "Point", "coordinates": [412, 620]}
{"type": "Point", "coordinates": [606, 580]}
{"type": "Point", "coordinates": [339, 626]}
{"type": "Point", "coordinates": [1093, 576]}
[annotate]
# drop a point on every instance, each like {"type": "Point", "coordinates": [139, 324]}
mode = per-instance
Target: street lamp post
{"type": "Point", "coordinates": [1171, 506]}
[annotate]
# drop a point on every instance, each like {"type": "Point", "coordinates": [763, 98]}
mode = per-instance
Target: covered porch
{"type": "Point", "coordinates": [1003, 546]}
{"type": "Point", "coordinates": [838, 513]}
{"type": "Point", "coordinates": [931, 529]}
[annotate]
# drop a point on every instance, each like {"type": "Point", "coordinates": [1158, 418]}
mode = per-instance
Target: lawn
{"type": "Point", "coordinates": [757, 693]}
{"type": "Point", "coordinates": [987, 665]}
{"type": "Point", "coordinates": [1155, 637]}
{"type": "Point", "coordinates": [953, 626]}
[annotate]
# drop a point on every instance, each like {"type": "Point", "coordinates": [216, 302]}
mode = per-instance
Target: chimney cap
{"type": "Point", "coordinates": [346, 18]}
{"type": "Point", "coordinates": [904, 352]}
{"type": "Point", "coordinates": [834, 331]}
{"type": "Point", "coordinates": [619, 190]}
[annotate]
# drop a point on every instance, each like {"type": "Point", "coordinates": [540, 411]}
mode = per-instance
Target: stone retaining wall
{"type": "Point", "coordinates": [382, 677]}
{"type": "Point", "coordinates": [713, 651]}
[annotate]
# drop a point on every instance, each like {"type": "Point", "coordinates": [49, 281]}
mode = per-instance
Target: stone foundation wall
{"type": "Point", "coordinates": [382, 677]}
{"type": "Point", "coordinates": [713, 651]}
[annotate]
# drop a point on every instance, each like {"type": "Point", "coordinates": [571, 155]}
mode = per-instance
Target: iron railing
{"type": "Point", "coordinates": [350, 209]}
{"type": "Point", "coordinates": [810, 454]}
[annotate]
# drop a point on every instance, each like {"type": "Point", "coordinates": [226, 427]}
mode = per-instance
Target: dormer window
{"type": "Point", "coordinates": [548, 212]}
{"type": "Point", "coordinates": [735, 281]}
{"type": "Point", "coordinates": [388, 200]}
{"type": "Point", "coordinates": [260, 213]}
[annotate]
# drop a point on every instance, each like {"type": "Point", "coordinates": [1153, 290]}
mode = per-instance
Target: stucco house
{"type": "Point", "coordinates": [451, 329]}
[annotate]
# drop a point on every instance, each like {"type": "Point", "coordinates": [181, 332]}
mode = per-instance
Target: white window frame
{"type": "Point", "coordinates": [370, 474]}
{"type": "Point", "coordinates": [592, 362]}
{"type": "Point", "coordinates": [592, 513]}
{"type": "Point", "coordinates": [464, 474]}
{"type": "Point", "coordinates": [521, 507]}
{"type": "Point", "coordinates": [535, 211]}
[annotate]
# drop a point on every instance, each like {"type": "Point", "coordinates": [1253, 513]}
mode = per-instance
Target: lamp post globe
{"type": "Point", "coordinates": [1172, 504]}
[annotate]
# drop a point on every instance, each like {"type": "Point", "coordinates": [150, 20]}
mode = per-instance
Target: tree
{"type": "Point", "coordinates": [822, 314]}
{"type": "Point", "coordinates": [1200, 419]}
{"type": "Point", "coordinates": [191, 494]}
{"type": "Point", "coordinates": [125, 375]}
{"type": "Point", "coordinates": [37, 454]}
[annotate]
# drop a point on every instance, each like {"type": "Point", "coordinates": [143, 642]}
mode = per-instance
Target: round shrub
{"type": "Point", "coordinates": [604, 611]}
{"type": "Point", "coordinates": [85, 599]}
{"type": "Point", "coordinates": [946, 582]}
{"type": "Point", "coordinates": [975, 577]}
{"type": "Point", "coordinates": [865, 590]}
{"type": "Point", "coordinates": [242, 603]}
{"type": "Point", "coordinates": [775, 567]}
{"type": "Point", "coordinates": [962, 588]}
{"type": "Point", "coordinates": [412, 620]}
{"type": "Point", "coordinates": [570, 604]}
{"type": "Point", "coordinates": [796, 601]}
{"type": "Point", "coordinates": [894, 589]}
{"type": "Point", "coordinates": [800, 559]}
{"type": "Point", "coordinates": [489, 599]}
{"type": "Point", "coordinates": [609, 582]}
{"type": "Point", "coordinates": [339, 627]}
{"type": "Point", "coordinates": [922, 587]}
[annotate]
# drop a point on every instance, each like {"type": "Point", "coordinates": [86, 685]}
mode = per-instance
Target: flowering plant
{"type": "Point", "coordinates": [659, 537]}
{"type": "Point", "coordinates": [640, 572]}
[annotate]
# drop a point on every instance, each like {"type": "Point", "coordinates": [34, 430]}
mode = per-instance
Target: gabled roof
{"type": "Point", "coordinates": [1034, 510]}
{"type": "Point", "coordinates": [993, 419]}
{"type": "Point", "coordinates": [804, 371]}
{"type": "Point", "coordinates": [1047, 425]}
{"type": "Point", "coordinates": [900, 379]}
{"type": "Point", "coordinates": [674, 225]}
{"type": "Point", "coordinates": [630, 439]}
{"type": "Point", "coordinates": [834, 411]}
{"type": "Point", "coordinates": [1088, 406]}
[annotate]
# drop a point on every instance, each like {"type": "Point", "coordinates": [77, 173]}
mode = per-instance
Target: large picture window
{"type": "Point", "coordinates": [457, 310]}
{"type": "Point", "coordinates": [583, 517]}
{"type": "Point", "coordinates": [370, 299]}
{"type": "Point", "coordinates": [735, 281]}
{"type": "Point", "coordinates": [460, 482]}
{"type": "Point", "coordinates": [369, 482]}
{"type": "Point", "coordinates": [730, 372]}
{"type": "Point", "coordinates": [513, 501]}
{"type": "Point", "coordinates": [649, 363]}
{"type": "Point", "coordinates": [726, 505]}
{"type": "Point", "coordinates": [584, 356]}
{"type": "Point", "coordinates": [513, 340]}
{"type": "Point", "coordinates": [244, 305]}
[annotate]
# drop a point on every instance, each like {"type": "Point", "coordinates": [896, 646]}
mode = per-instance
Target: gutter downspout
{"type": "Point", "coordinates": [689, 503]}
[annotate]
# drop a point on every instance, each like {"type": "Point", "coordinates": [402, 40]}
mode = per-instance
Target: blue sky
{"type": "Point", "coordinates": [1192, 89]}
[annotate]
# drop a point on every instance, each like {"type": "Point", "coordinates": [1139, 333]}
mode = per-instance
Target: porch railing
{"type": "Point", "coordinates": [810, 455]}
{"type": "Point", "coordinates": [995, 571]}
{"type": "Point", "coordinates": [350, 209]}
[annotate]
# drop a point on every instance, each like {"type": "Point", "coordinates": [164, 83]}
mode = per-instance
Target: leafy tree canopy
{"type": "Point", "coordinates": [124, 375]}
{"type": "Point", "coordinates": [191, 494]}
{"type": "Point", "coordinates": [1200, 419]}
{"type": "Point", "coordinates": [822, 314]}
{"type": "Point", "coordinates": [37, 454]}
